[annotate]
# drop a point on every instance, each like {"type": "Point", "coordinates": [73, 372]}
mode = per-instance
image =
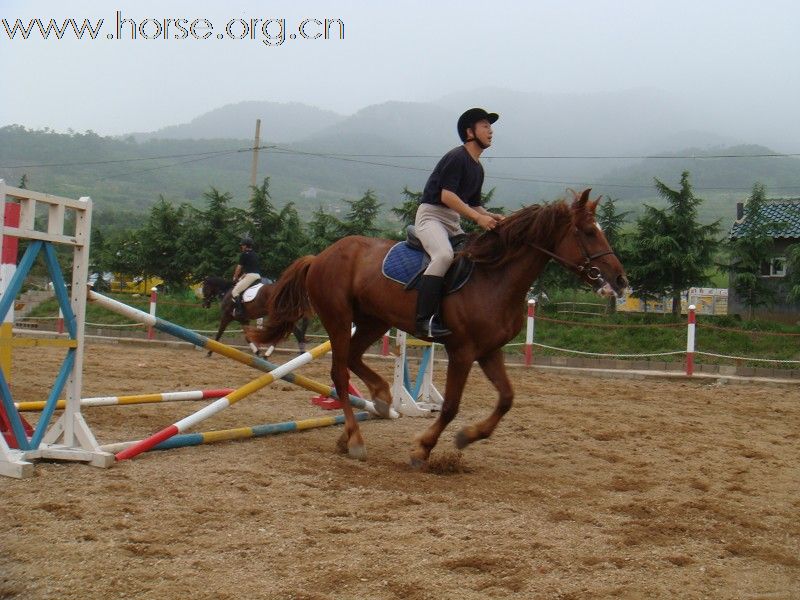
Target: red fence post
{"type": "Point", "coordinates": [385, 344]}
{"type": "Point", "coordinates": [690, 341]}
{"type": "Point", "coordinates": [529, 332]}
{"type": "Point", "coordinates": [153, 298]}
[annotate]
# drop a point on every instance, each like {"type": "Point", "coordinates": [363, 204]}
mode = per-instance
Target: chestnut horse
{"type": "Point", "coordinates": [344, 284]}
{"type": "Point", "coordinates": [219, 288]}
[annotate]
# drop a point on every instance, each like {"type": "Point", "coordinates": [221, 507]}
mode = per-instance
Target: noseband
{"type": "Point", "coordinates": [586, 268]}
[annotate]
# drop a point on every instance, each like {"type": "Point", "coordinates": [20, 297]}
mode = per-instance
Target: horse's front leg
{"type": "Point", "coordinates": [223, 324]}
{"type": "Point", "coordinates": [457, 372]}
{"type": "Point", "coordinates": [493, 366]}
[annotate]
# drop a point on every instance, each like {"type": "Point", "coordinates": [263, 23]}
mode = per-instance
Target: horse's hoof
{"type": "Point", "coordinates": [462, 440]}
{"type": "Point", "coordinates": [384, 410]}
{"type": "Point", "coordinates": [357, 452]}
{"type": "Point", "coordinates": [418, 464]}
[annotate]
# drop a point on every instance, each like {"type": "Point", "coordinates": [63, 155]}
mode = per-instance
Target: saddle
{"type": "Point", "coordinates": [406, 261]}
{"type": "Point", "coordinates": [251, 292]}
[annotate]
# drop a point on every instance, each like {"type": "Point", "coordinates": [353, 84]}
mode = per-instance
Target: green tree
{"type": "Point", "coordinates": [215, 234]}
{"type": "Point", "coordinates": [124, 254]}
{"type": "Point", "coordinates": [323, 230]}
{"type": "Point", "coordinates": [611, 222]}
{"type": "Point", "coordinates": [793, 272]}
{"type": "Point", "coordinates": [407, 211]}
{"type": "Point", "coordinates": [163, 251]}
{"type": "Point", "coordinates": [748, 251]}
{"type": "Point", "coordinates": [289, 243]}
{"type": "Point", "coordinates": [360, 219]}
{"type": "Point", "coordinates": [263, 223]}
{"type": "Point", "coordinates": [671, 250]}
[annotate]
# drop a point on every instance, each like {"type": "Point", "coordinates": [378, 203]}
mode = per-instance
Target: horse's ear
{"type": "Point", "coordinates": [591, 206]}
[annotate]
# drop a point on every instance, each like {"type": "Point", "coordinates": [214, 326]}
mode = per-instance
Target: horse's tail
{"type": "Point", "coordinates": [289, 302]}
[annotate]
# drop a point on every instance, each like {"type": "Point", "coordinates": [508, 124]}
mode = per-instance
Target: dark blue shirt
{"type": "Point", "coordinates": [457, 172]}
{"type": "Point", "coordinates": [250, 262]}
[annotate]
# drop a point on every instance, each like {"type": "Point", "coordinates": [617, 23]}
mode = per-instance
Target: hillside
{"type": "Point", "coordinates": [720, 182]}
{"type": "Point", "coordinates": [280, 122]}
{"type": "Point", "coordinates": [543, 144]}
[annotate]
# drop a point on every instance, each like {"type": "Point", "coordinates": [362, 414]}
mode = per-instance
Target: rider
{"type": "Point", "coordinates": [453, 190]}
{"type": "Point", "coordinates": [247, 272]}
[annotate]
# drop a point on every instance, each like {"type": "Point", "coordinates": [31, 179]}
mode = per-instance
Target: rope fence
{"type": "Point", "coordinates": [527, 348]}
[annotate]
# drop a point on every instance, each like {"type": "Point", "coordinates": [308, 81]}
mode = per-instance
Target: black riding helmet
{"type": "Point", "coordinates": [246, 241]}
{"type": "Point", "coordinates": [472, 116]}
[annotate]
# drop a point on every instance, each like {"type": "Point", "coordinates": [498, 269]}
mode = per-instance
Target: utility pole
{"type": "Point", "coordinates": [256, 143]}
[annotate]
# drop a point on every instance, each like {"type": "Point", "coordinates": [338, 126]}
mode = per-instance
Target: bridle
{"type": "Point", "coordinates": [585, 269]}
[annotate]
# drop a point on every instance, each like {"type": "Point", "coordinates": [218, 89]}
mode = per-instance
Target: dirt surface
{"type": "Point", "coordinates": [590, 488]}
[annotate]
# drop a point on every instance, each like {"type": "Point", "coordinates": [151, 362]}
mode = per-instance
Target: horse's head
{"type": "Point", "coordinates": [214, 288]}
{"type": "Point", "coordinates": [208, 292]}
{"type": "Point", "coordinates": [586, 251]}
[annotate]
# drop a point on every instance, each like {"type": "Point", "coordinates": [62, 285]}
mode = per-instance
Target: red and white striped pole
{"type": "Point", "coordinates": [7, 270]}
{"type": "Point", "coordinates": [529, 332]}
{"type": "Point", "coordinates": [60, 321]}
{"type": "Point", "coordinates": [385, 344]}
{"type": "Point", "coordinates": [690, 342]}
{"type": "Point", "coordinates": [153, 298]}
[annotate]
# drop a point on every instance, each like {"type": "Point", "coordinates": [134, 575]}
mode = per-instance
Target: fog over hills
{"type": "Point", "coordinates": [288, 122]}
{"type": "Point", "coordinates": [543, 144]}
{"type": "Point", "coordinates": [639, 121]}
{"type": "Point", "coordinates": [566, 139]}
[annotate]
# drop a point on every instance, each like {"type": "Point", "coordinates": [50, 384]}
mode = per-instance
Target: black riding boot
{"type": "Point", "coordinates": [238, 307]}
{"type": "Point", "coordinates": [429, 323]}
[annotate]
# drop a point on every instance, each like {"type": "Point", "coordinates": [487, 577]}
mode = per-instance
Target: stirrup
{"type": "Point", "coordinates": [432, 328]}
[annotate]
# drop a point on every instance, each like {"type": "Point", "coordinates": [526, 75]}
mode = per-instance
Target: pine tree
{"type": "Point", "coordinates": [360, 219]}
{"type": "Point", "coordinates": [215, 235]}
{"type": "Point", "coordinates": [163, 254]}
{"type": "Point", "coordinates": [611, 222]}
{"type": "Point", "coordinates": [263, 224]}
{"type": "Point", "coordinates": [749, 251]}
{"type": "Point", "coordinates": [407, 211]}
{"type": "Point", "coordinates": [289, 242]}
{"type": "Point", "coordinates": [671, 251]}
{"type": "Point", "coordinates": [323, 230]}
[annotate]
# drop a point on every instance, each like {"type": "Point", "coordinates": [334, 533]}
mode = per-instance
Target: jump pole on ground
{"type": "Point", "coordinates": [224, 402]}
{"type": "Point", "coordinates": [201, 341]}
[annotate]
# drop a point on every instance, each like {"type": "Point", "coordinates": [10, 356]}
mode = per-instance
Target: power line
{"type": "Point", "coordinates": [121, 160]}
{"type": "Point", "coordinates": [158, 168]}
{"type": "Point", "coordinates": [344, 156]}
{"type": "Point", "coordinates": [557, 157]}
{"type": "Point", "coordinates": [358, 159]}
{"type": "Point", "coordinates": [348, 158]}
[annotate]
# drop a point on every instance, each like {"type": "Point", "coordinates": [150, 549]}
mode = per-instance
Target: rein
{"type": "Point", "coordinates": [586, 269]}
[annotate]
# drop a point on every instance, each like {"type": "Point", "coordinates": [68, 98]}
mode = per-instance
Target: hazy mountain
{"type": "Point", "coordinates": [280, 122]}
{"type": "Point", "coordinates": [544, 143]}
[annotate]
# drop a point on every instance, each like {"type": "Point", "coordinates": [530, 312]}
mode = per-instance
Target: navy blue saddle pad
{"type": "Point", "coordinates": [405, 264]}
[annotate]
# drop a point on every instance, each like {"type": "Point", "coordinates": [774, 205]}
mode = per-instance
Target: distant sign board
{"type": "Point", "coordinates": [707, 301]}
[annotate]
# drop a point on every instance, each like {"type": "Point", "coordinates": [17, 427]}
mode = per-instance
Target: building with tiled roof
{"type": "Point", "coordinates": [782, 217]}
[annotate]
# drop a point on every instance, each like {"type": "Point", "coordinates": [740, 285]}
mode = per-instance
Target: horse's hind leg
{"type": "Point", "coordinates": [351, 439]}
{"type": "Point", "coordinates": [367, 333]}
{"type": "Point", "coordinates": [494, 368]}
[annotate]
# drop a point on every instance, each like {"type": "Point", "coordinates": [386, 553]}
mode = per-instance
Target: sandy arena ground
{"type": "Point", "coordinates": [590, 488]}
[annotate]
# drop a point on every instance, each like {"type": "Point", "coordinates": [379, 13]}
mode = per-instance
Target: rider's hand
{"type": "Point", "coordinates": [486, 221]}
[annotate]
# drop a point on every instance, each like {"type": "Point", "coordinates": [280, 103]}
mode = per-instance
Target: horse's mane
{"type": "Point", "coordinates": [537, 223]}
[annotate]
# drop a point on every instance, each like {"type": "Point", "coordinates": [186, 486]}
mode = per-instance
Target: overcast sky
{"type": "Point", "coordinates": [738, 56]}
